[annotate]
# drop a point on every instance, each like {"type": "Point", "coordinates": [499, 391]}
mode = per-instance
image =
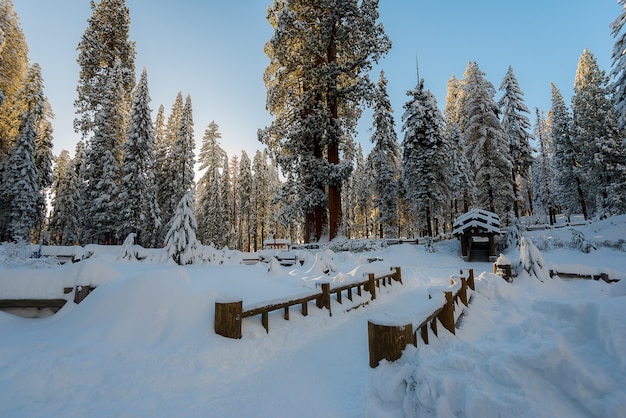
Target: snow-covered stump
{"type": "Point", "coordinates": [228, 316]}
{"type": "Point", "coordinates": [388, 341]}
{"type": "Point", "coordinates": [503, 268]}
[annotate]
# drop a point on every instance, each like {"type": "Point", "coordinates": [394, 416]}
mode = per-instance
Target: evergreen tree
{"type": "Point", "coordinates": [316, 80]}
{"type": "Point", "coordinates": [363, 199]}
{"type": "Point", "coordinates": [79, 167]}
{"type": "Point", "coordinates": [103, 172]}
{"type": "Point", "coordinates": [227, 226]}
{"type": "Point", "coordinates": [261, 197]}
{"type": "Point", "coordinates": [566, 159]}
{"type": "Point", "coordinates": [13, 68]}
{"type": "Point", "coordinates": [462, 187]}
{"type": "Point", "coordinates": [21, 176]}
{"type": "Point", "coordinates": [597, 136]}
{"type": "Point", "coordinates": [104, 46]}
{"type": "Point", "coordinates": [516, 124]}
{"type": "Point", "coordinates": [486, 145]}
{"type": "Point", "coordinates": [618, 72]}
{"type": "Point", "coordinates": [181, 243]}
{"type": "Point", "coordinates": [182, 158]}
{"type": "Point", "coordinates": [384, 159]}
{"type": "Point", "coordinates": [425, 166]}
{"type": "Point", "coordinates": [164, 144]}
{"type": "Point", "coordinates": [63, 226]}
{"type": "Point", "coordinates": [244, 194]}
{"type": "Point", "coordinates": [543, 171]}
{"type": "Point", "coordinates": [139, 209]}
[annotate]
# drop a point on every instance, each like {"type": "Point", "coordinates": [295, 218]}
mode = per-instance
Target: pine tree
{"type": "Point", "coordinates": [618, 72]}
{"type": "Point", "coordinates": [486, 145]}
{"type": "Point", "coordinates": [103, 167]}
{"type": "Point", "coordinates": [384, 159]}
{"type": "Point", "coordinates": [597, 136]}
{"type": "Point", "coordinates": [79, 167]}
{"type": "Point", "coordinates": [462, 187]}
{"type": "Point", "coordinates": [262, 194]}
{"type": "Point", "coordinates": [181, 243]}
{"type": "Point", "coordinates": [182, 157]}
{"type": "Point", "coordinates": [21, 176]}
{"type": "Point", "coordinates": [566, 159]}
{"type": "Point", "coordinates": [164, 144]}
{"type": "Point", "coordinates": [244, 194]}
{"type": "Point", "coordinates": [516, 124]}
{"type": "Point", "coordinates": [227, 225]}
{"type": "Point", "coordinates": [316, 79]}
{"type": "Point", "coordinates": [104, 46]}
{"type": "Point", "coordinates": [425, 166]}
{"type": "Point", "coordinates": [139, 209]}
{"type": "Point", "coordinates": [63, 227]}
{"type": "Point", "coordinates": [13, 68]}
{"type": "Point", "coordinates": [543, 171]}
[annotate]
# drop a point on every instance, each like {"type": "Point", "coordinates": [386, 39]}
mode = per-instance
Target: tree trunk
{"type": "Point", "coordinates": [515, 197]}
{"type": "Point", "coordinates": [581, 197]}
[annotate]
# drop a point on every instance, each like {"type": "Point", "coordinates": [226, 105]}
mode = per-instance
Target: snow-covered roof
{"type": "Point", "coordinates": [478, 219]}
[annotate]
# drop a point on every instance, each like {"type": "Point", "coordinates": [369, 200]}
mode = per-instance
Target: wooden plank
{"type": "Point", "coordinates": [32, 303]}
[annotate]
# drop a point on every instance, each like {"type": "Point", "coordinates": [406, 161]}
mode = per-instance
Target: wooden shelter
{"type": "Point", "coordinates": [477, 230]}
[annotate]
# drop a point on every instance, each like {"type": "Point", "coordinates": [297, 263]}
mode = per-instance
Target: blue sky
{"type": "Point", "coordinates": [213, 50]}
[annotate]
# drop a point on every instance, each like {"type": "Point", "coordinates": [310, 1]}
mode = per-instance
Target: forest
{"type": "Point", "coordinates": [133, 171]}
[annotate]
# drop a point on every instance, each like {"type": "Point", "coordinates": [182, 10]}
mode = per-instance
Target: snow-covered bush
{"type": "Point", "coordinates": [127, 252]}
{"type": "Point", "coordinates": [357, 245]}
{"type": "Point", "coordinates": [581, 243]}
{"type": "Point", "coordinates": [429, 246]}
{"type": "Point", "coordinates": [513, 234]}
{"type": "Point", "coordinates": [548, 243]}
{"type": "Point", "coordinates": [531, 260]}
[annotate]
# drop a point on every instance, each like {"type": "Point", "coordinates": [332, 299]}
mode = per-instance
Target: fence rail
{"type": "Point", "coordinates": [229, 314]}
{"type": "Point", "coordinates": [387, 341]}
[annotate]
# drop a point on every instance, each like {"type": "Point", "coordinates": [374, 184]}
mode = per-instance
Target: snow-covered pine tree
{"type": "Point", "coordinates": [364, 201]}
{"type": "Point", "coordinates": [104, 43]}
{"type": "Point", "coordinates": [227, 226]}
{"type": "Point", "coordinates": [182, 157]}
{"type": "Point", "coordinates": [233, 169]}
{"type": "Point", "coordinates": [181, 243]}
{"type": "Point", "coordinates": [384, 159]}
{"type": "Point", "coordinates": [261, 195]}
{"type": "Point", "coordinates": [20, 173]}
{"type": "Point", "coordinates": [244, 195]}
{"type": "Point", "coordinates": [543, 172]}
{"type": "Point", "coordinates": [63, 226]}
{"type": "Point", "coordinates": [425, 165]}
{"type": "Point", "coordinates": [13, 68]}
{"type": "Point", "coordinates": [162, 147]}
{"type": "Point", "coordinates": [486, 145]}
{"type": "Point", "coordinates": [79, 164]}
{"type": "Point", "coordinates": [618, 71]}
{"type": "Point", "coordinates": [597, 136]}
{"type": "Point", "coordinates": [316, 80]}
{"type": "Point", "coordinates": [139, 211]}
{"type": "Point", "coordinates": [565, 158]}
{"type": "Point", "coordinates": [172, 175]}
{"type": "Point", "coordinates": [516, 125]}
{"type": "Point", "coordinates": [462, 187]}
{"type": "Point", "coordinates": [103, 168]}
{"type": "Point", "coordinates": [209, 208]}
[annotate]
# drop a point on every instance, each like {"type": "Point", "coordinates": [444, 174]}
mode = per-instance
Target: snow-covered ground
{"type": "Point", "coordinates": [142, 344]}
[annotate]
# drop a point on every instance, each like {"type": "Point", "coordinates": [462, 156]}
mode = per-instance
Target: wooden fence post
{"type": "Point", "coordinates": [371, 285]}
{"type": "Point", "coordinates": [228, 318]}
{"type": "Point", "coordinates": [324, 300]}
{"type": "Point", "coordinates": [470, 279]}
{"type": "Point", "coordinates": [397, 276]}
{"type": "Point", "coordinates": [463, 291]}
{"type": "Point", "coordinates": [388, 341]}
{"type": "Point", "coordinates": [446, 316]}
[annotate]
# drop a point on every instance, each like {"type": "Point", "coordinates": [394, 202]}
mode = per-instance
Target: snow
{"type": "Point", "coordinates": [142, 343]}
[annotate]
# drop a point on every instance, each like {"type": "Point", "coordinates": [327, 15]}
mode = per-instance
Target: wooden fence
{"type": "Point", "coordinates": [388, 340]}
{"type": "Point", "coordinates": [80, 293]}
{"type": "Point", "coordinates": [601, 276]}
{"type": "Point", "coordinates": [229, 314]}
